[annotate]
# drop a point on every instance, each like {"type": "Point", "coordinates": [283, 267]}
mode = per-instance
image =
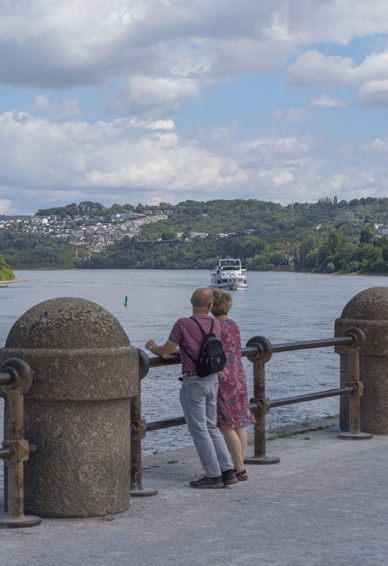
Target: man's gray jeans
{"type": "Point", "coordinates": [198, 397]}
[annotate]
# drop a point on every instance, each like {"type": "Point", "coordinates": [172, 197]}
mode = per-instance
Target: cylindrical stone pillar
{"type": "Point", "coordinates": [369, 311]}
{"type": "Point", "coordinates": [77, 411]}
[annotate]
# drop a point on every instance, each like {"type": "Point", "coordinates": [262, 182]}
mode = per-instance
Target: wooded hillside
{"type": "Point", "coordinates": [327, 236]}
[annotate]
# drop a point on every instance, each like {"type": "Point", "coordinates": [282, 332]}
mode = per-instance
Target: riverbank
{"type": "Point", "coordinates": [323, 504]}
{"type": "Point", "coordinates": [9, 281]}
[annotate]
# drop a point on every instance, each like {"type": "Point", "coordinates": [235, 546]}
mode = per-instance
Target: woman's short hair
{"type": "Point", "coordinates": [222, 302]}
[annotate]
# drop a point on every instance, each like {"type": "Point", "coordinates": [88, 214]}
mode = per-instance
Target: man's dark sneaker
{"type": "Point", "coordinates": [229, 477]}
{"type": "Point", "coordinates": [205, 482]}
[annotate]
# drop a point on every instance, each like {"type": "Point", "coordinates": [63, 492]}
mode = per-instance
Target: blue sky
{"type": "Point", "coordinates": [166, 100]}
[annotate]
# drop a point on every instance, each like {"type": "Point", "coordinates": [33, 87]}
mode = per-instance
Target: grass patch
{"type": "Point", "coordinates": [291, 432]}
{"type": "Point", "coordinates": [283, 434]}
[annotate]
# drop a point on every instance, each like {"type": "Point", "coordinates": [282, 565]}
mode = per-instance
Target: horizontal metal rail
{"type": "Point", "coordinates": [178, 421]}
{"type": "Point", "coordinates": [6, 378]}
{"type": "Point", "coordinates": [252, 350]}
{"type": "Point", "coordinates": [291, 346]}
{"type": "Point", "coordinates": [167, 361]}
{"type": "Point", "coordinates": [167, 423]}
{"type": "Point", "coordinates": [6, 452]}
{"type": "Point", "coordinates": [310, 397]}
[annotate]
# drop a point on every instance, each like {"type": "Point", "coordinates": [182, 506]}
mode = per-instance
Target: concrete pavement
{"type": "Point", "coordinates": [324, 504]}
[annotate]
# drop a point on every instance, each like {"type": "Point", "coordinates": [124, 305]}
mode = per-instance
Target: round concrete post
{"type": "Point", "coordinates": [369, 311]}
{"type": "Point", "coordinates": [77, 411]}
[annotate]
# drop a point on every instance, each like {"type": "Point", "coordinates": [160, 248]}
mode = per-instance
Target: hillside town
{"type": "Point", "coordinates": [92, 232]}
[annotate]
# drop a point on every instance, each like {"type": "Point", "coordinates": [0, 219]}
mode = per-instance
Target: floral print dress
{"type": "Point", "coordinates": [232, 400]}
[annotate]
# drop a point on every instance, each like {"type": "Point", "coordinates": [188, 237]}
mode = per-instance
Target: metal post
{"type": "Point", "coordinates": [14, 435]}
{"type": "Point", "coordinates": [138, 431]}
{"type": "Point", "coordinates": [358, 387]}
{"type": "Point", "coordinates": [18, 447]}
{"type": "Point", "coordinates": [262, 404]}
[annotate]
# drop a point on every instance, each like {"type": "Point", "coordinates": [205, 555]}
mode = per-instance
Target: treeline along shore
{"type": "Point", "coordinates": [323, 237]}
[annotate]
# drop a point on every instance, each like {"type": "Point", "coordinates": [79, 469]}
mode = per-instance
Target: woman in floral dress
{"type": "Point", "coordinates": [233, 413]}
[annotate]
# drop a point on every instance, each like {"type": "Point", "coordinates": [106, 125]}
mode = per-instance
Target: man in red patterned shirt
{"type": "Point", "coordinates": [198, 395]}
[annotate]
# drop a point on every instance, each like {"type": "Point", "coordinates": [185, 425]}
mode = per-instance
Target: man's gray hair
{"type": "Point", "coordinates": [202, 297]}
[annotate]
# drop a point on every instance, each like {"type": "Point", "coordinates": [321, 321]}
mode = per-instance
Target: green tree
{"type": "Point", "coordinates": [370, 258]}
{"type": "Point", "coordinates": [307, 253]}
{"type": "Point", "coordinates": [366, 236]}
{"type": "Point", "coordinates": [6, 273]}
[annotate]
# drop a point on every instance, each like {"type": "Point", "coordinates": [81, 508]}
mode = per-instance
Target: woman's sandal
{"type": "Point", "coordinates": [241, 476]}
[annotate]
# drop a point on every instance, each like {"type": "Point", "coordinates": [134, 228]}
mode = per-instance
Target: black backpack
{"type": "Point", "coordinates": [211, 357]}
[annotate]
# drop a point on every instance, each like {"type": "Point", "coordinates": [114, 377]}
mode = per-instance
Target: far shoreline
{"type": "Point", "coordinates": [306, 272]}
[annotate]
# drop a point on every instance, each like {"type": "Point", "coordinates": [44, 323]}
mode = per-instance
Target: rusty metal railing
{"type": "Point", "coordinates": [15, 380]}
{"type": "Point", "coordinates": [259, 351]}
{"type": "Point", "coordinates": [353, 339]}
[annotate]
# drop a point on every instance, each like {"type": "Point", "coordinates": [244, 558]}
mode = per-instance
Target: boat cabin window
{"type": "Point", "coordinates": [230, 264]}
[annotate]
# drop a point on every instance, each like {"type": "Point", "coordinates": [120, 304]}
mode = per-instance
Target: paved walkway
{"type": "Point", "coordinates": [324, 504]}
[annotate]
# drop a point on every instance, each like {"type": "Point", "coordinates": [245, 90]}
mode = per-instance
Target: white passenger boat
{"type": "Point", "coordinates": [229, 275]}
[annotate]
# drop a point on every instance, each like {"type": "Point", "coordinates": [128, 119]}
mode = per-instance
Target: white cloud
{"type": "Point", "coordinates": [5, 207]}
{"type": "Point", "coordinates": [374, 93]}
{"type": "Point", "coordinates": [290, 114]}
{"type": "Point", "coordinates": [167, 52]}
{"type": "Point", "coordinates": [66, 109]}
{"type": "Point", "coordinates": [314, 69]}
{"type": "Point", "coordinates": [87, 42]}
{"type": "Point", "coordinates": [355, 182]}
{"type": "Point", "coordinates": [170, 50]}
{"type": "Point", "coordinates": [336, 21]}
{"type": "Point", "coordinates": [135, 159]}
{"type": "Point", "coordinates": [132, 160]}
{"type": "Point", "coordinates": [328, 102]}
{"type": "Point", "coordinates": [41, 102]}
{"type": "Point", "coordinates": [145, 95]}
{"type": "Point", "coordinates": [132, 157]}
{"type": "Point", "coordinates": [283, 178]}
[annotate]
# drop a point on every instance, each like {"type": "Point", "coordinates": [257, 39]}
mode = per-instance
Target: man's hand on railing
{"type": "Point", "coordinates": [167, 349]}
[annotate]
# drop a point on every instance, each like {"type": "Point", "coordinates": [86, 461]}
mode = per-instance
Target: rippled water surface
{"type": "Point", "coordinates": [280, 306]}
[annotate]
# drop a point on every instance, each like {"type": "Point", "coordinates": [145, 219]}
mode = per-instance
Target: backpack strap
{"type": "Point", "coordinates": [201, 329]}
{"type": "Point", "coordinates": [203, 334]}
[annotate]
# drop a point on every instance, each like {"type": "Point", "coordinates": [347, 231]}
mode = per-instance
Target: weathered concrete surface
{"type": "Point", "coordinates": [78, 410]}
{"type": "Point", "coordinates": [367, 310]}
{"type": "Point", "coordinates": [324, 504]}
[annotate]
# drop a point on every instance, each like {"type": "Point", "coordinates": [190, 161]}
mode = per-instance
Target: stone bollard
{"type": "Point", "coordinates": [369, 311]}
{"type": "Point", "coordinates": [77, 411]}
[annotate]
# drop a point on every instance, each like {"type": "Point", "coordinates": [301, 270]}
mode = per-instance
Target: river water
{"type": "Point", "coordinates": [281, 306]}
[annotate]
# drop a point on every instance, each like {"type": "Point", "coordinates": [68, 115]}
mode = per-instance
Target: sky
{"type": "Point", "coordinates": [149, 101]}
